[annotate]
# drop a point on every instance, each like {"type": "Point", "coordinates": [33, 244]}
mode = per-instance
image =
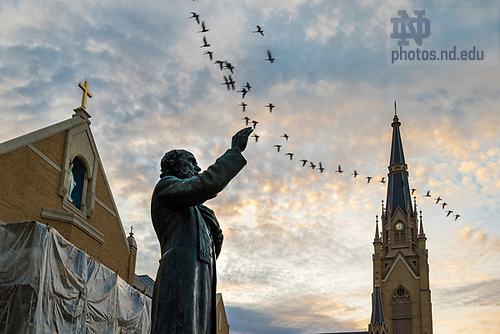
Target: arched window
{"type": "Point", "coordinates": [401, 312]}
{"type": "Point", "coordinates": [75, 192]}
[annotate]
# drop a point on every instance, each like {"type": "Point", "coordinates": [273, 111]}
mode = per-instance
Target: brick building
{"type": "Point", "coordinates": [55, 176]}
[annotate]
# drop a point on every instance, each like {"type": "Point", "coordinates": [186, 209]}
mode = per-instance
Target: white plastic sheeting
{"type": "Point", "coordinates": [47, 285]}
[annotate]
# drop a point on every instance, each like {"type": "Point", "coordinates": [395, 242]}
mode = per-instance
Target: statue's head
{"type": "Point", "coordinates": [179, 163]}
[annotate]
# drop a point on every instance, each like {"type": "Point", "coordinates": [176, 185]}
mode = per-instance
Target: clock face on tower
{"type": "Point", "coordinates": [400, 226]}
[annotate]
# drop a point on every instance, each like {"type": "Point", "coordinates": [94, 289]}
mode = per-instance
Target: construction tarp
{"type": "Point", "coordinates": [47, 285]}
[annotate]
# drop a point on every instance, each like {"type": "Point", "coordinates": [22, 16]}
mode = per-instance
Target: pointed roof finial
{"type": "Point", "coordinates": [395, 113]}
{"type": "Point", "coordinates": [421, 233]}
{"type": "Point", "coordinates": [377, 233]}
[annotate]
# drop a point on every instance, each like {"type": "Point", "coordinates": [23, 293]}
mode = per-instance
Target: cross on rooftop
{"type": "Point", "coordinates": [85, 88]}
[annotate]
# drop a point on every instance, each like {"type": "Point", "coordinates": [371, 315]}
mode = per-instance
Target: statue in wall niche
{"type": "Point", "coordinates": [71, 182]}
{"type": "Point", "coordinates": [190, 238]}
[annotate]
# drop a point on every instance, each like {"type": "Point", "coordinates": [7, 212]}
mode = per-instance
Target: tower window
{"type": "Point", "coordinates": [401, 312]}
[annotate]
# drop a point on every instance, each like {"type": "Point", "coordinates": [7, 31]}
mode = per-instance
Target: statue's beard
{"type": "Point", "coordinates": [186, 173]}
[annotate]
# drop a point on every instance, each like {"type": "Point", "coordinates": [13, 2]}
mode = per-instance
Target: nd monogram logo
{"type": "Point", "coordinates": [406, 22]}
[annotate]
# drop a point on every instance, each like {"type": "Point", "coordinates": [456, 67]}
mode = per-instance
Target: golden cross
{"type": "Point", "coordinates": [85, 88]}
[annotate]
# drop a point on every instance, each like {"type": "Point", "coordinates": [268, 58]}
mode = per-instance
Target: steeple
{"type": "Point", "coordinates": [398, 189]}
{"type": "Point", "coordinates": [377, 323]}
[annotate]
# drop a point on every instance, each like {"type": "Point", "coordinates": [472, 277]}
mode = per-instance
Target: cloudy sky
{"type": "Point", "coordinates": [298, 243]}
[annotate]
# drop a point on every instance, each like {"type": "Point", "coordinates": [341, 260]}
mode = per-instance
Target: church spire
{"type": "Point", "coordinates": [398, 189]}
{"type": "Point", "coordinates": [377, 323]}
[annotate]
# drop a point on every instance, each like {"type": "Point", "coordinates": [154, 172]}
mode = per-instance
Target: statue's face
{"type": "Point", "coordinates": [188, 165]}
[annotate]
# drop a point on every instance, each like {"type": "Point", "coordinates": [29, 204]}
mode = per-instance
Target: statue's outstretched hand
{"type": "Point", "coordinates": [240, 139]}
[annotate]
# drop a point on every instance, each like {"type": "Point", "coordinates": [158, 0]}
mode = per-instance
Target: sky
{"type": "Point", "coordinates": [298, 243]}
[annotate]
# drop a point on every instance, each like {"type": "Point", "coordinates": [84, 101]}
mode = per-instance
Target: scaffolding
{"type": "Point", "coordinates": [47, 285]}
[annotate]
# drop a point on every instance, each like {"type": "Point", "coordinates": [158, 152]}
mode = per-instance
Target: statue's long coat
{"type": "Point", "coordinates": [190, 239]}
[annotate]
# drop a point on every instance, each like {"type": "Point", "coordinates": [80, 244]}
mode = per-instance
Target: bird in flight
{"type": "Point", "coordinates": [449, 212]}
{"type": "Point", "coordinates": [339, 170]}
{"type": "Point", "coordinates": [254, 124]}
{"type": "Point", "coordinates": [203, 29]}
{"type": "Point", "coordinates": [321, 169]}
{"type": "Point", "coordinates": [444, 204]}
{"type": "Point", "coordinates": [428, 194]}
{"type": "Point", "coordinates": [247, 86]}
{"type": "Point", "coordinates": [290, 155]}
{"type": "Point", "coordinates": [382, 180]}
{"type": "Point", "coordinates": [228, 66]}
{"type": "Point", "coordinates": [205, 43]}
{"type": "Point", "coordinates": [412, 191]}
{"type": "Point", "coordinates": [269, 57]}
{"type": "Point", "coordinates": [285, 136]}
{"type": "Point", "coordinates": [259, 30]}
{"type": "Point", "coordinates": [278, 147]}
{"type": "Point", "coordinates": [220, 63]}
{"type": "Point", "coordinates": [368, 179]}
{"type": "Point", "coordinates": [457, 216]}
{"type": "Point", "coordinates": [312, 165]}
{"type": "Point", "coordinates": [195, 16]}
{"type": "Point", "coordinates": [304, 161]}
{"type": "Point", "coordinates": [243, 92]}
{"type": "Point", "coordinates": [438, 199]}
{"type": "Point", "coordinates": [244, 105]}
{"type": "Point", "coordinates": [229, 82]}
{"type": "Point", "coordinates": [246, 119]}
{"type": "Point", "coordinates": [256, 137]}
{"type": "Point", "coordinates": [355, 173]}
{"type": "Point", "coordinates": [210, 54]}
{"type": "Point", "coordinates": [270, 106]}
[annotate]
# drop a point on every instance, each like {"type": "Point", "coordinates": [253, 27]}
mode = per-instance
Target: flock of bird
{"type": "Point", "coordinates": [228, 81]}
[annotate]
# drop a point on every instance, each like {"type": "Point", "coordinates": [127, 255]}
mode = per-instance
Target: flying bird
{"type": "Point", "coordinates": [229, 82]}
{"type": "Point", "coordinates": [259, 30]}
{"type": "Point", "coordinates": [243, 92]}
{"type": "Point", "coordinates": [205, 43]}
{"type": "Point", "coordinates": [269, 57]}
{"type": "Point", "coordinates": [228, 66]}
{"type": "Point", "coordinates": [438, 199]}
{"type": "Point", "coordinates": [278, 147]}
{"type": "Point", "coordinates": [355, 173]}
{"type": "Point", "coordinates": [449, 212]}
{"type": "Point", "coordinates": [339, 170]}
{"type": "Point", "coordinates": [428, 194]}
{"type": "Point", "coordinates": [220, 63]}
{"type": "Point", "coordinates": [290, 155]}
{"type": "Point", "coordinates": [244, 105]}
{"type": "Point", "coordinates": [444, 204]}
{"type": "Point", "coordinates": [368, 179]}
{"type": "Point", "coordinates": [285, 136]}
{"type": "Point", "coordinates": [203, 29]}
{"type": "Point", "coordinates": [382, 180]}
{"type": "Point", "coordinates": [256, 137]}
{"type": "Point", "coordinates": [412, 191]}
{"type": "Point", "coordinates": [457, 216]}
{"type": "Point", "coordinates": [210, 54]}
{"type": "Point", "coordinates": [312, 165]}
{"type": "Point", "coordinates": [270, 106]}
{"type": "Point", "coordinates": [321, 169]}
{"type": "Point", "coordinates": [254, 124]}
{"type": "Point", "coordinates": [247, 86]}
{"type": "Point", "coordinates": [195, 16]}
{"type": "Point", "coordinates": [303, 162]}
{"type": "Point", "coordinates": [246, 119]}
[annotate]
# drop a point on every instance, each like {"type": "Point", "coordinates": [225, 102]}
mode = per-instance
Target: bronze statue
{"type": "Point", "coordinates": [190, 238]}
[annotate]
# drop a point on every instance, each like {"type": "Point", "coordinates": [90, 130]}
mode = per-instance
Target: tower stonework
{"type": "Point", "coordinates": [400, 257]}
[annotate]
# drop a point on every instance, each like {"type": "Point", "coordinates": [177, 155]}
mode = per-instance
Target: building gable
{"type": "Point", "coordinates": [38, 183]}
